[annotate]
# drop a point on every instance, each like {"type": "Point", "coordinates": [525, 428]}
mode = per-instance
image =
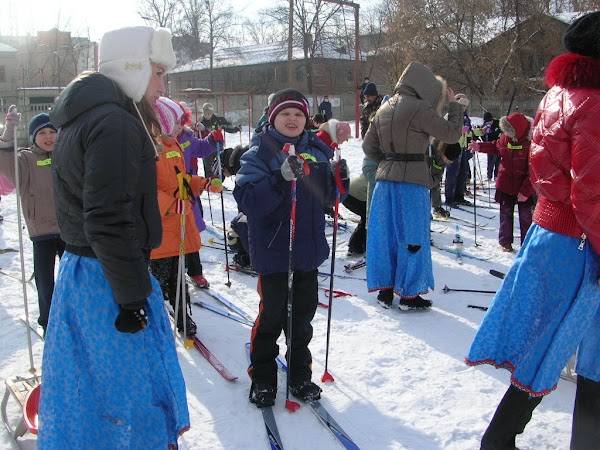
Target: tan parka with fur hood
{"type": "Point", "coordinates": [404, 123]}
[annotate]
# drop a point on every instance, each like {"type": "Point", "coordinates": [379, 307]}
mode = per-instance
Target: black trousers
{"type": "Point", "coordinates": [193, 264]}
{"type": "Point", "coordinates": [272, 319]}
{"type": "Point", "coordinates": [516, 408]}
{"type": "Point", "coordinates": [165, 272]}
{"type": "Point", "coordinates": [358, 240]}
{"type": "Point", "coordinates": [44, 260]}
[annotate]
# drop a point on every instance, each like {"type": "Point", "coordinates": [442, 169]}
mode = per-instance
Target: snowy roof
{"type": "Point", "coordinates": [6, 48]}
{"type": "Point", "coordinates": [255, 54]}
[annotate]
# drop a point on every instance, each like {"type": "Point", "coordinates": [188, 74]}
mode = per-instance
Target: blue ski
{"type": "Point", "coordinates": [275, 442]}
{"type": "Point", "coordinates": [219, 297]}
{"type": "Point", "coordinates": [224, 313]}
{"type": "Point", "coordinates": [326, 419]}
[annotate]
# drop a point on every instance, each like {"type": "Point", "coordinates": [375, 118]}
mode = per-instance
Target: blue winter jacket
{"type": "Point", "coordinates": [265, 198]}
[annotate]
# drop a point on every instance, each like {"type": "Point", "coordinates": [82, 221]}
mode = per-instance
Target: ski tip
{"type": "Point", "coordinates": [446, 289]}
{"type": "Point", "coordinates": [291, 406]}
{"type": "Point", "coordinates": [322, 305]}
{"type": "Point", "coordinates": [327, 377]}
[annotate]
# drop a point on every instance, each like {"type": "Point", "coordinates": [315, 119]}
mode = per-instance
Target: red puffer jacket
{"type": "Point", "coordinates": [565, 150]}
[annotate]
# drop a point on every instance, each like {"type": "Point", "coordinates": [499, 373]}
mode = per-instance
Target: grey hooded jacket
{"type": "Point", "coordinates": [398, 137]}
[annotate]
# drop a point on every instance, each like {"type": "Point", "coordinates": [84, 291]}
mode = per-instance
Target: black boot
{"type": "Point", "coordinates": [512, 415]}
{"type": "Point", "coordinates": [585, 433]}
{"type": "Point", "coordinates": [385, 298]}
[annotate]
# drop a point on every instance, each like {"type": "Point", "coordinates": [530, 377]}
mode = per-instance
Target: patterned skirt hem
{"type": "Point", "coordinates": [511, 368]}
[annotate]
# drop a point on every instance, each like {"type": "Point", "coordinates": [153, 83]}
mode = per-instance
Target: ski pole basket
{"type": "Point", "coordinates": [26, 391]}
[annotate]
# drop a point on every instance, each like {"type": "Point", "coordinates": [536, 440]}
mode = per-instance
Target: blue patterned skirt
{"type": "Point", "coordinates": [102, 388]}
{"type": "Point", "coordinates": [547, 308]}
{"type": "Point", "coordinates": [399, 217]}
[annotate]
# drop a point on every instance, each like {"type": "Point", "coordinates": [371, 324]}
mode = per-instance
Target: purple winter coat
{"type": "Point", "coordinates": [195, 148]}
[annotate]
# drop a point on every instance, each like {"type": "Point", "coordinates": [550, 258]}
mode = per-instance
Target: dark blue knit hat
{"type": "Point", "coordinates": [37, 123]}
{"type": "Point", "coordinates": [370, 89]}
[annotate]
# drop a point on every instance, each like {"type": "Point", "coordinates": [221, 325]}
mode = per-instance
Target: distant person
{"type": "Point", "coordinates": [548, 306]}
{"type": "Point", "coordinates": [361, 89]}
{"type": "Point", "coordinates": [442, 155]}
{"type": "Point", "coordinates": [210, 121]}
{"type": "Point", "coordinates": [372, 103]}
{"type": "Point", "coordinates": [111, 374]}
{"type": "Point", "coordinates": [490, 132]}
{"type": "Point", "coordinates": [325, 109]}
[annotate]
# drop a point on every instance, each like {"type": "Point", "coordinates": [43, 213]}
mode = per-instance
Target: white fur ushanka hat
{"type": "Point", "coordinates": [125, 56]}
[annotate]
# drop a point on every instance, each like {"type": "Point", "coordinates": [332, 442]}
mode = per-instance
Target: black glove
{"type": "Point", "coordinates": [344, 171]}
{"type": "Point", "coordinates": [292, 167]}
{"type": "Point", "coordinates": [132, 317]}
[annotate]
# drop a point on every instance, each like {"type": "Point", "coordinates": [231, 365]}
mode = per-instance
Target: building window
{"type": "Point", "coordinates": [300, 73]}
{"type": "Point", "coordinates": [2, 74]}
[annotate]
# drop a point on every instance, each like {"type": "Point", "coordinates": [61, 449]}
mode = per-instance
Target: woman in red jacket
{"type": "Point", "coordinates": [513, 186]}
{"type": "Point", "coordinates": [548, 306]}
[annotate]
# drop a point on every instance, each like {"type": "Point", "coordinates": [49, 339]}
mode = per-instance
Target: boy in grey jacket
{"type": "Point", "coordinates": [37, 198]}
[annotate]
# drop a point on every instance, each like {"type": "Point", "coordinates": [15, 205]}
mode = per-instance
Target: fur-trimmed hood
{"type": "Point", "coordinates": [517, 126]}
{"type": "Point", "coordinates": [419, 81]}
{"type": "Point", "coordinates": [571, 70]}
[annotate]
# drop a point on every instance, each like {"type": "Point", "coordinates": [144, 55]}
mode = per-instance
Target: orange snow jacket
{"type": "Point", "coordinates": [168, 193]}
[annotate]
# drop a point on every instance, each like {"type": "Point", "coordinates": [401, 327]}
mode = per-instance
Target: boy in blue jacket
{"type": "Point", "coordinates": [263, 193]}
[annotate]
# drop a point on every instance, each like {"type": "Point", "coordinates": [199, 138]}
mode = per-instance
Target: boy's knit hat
{"type": "Point", "coordinates": [370, 89]}
{"type": "Point", "coordinates": [583, 35]}
{"type": "Point", "coordinates": [487, 116]}
{"type": "Point", "coordinates": [515, 126]}
{"type": "Point", "coordinates": [287, 98]}
{"type": "Point", "coordinates": [37, 123]}
{"type": "Point", "coordinates": [126, 54]}
{"type": "Point", "coordinates": [168, 113]}
{"type": "Point", "coordinates": [208, 107]}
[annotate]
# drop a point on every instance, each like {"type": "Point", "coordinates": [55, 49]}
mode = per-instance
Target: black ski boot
{"type": "Point", "coordinates": [190, 325]}
{"type": "Point", "coordinates": [414, 303]}
{"type": "Point", "coordinates": [262, 395]}
{"type": "Point", "coordinates": [306, 390]}
{"type": "Point", "coordinates": [385, 298]}
{"type": "Point", "coordinates": [441, 213]}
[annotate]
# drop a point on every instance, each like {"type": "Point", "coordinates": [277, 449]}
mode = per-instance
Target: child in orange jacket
{"type": "Point", "coordinates": [170, 167]}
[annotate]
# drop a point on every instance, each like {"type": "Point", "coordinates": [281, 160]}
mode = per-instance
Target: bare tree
{"type": "Point", "coordinates": [158, 12]}
{"type": "Point", "coordinates": [311, 28]}
{"type": "Point", "coordinates": [218, 20]}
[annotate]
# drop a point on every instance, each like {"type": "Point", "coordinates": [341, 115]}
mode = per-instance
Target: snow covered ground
{"type": "Point", "coordinates": [400, 380]}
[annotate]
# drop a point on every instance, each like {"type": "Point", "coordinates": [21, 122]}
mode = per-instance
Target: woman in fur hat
{"type": "Point", "coordinates": [548, 306]}
{"type": "Point", "coordinates": [111, 374]}
{"type": "Point", "coordinates": [398, 248]}
{"type": "Point", "coordinates": [513, 186]}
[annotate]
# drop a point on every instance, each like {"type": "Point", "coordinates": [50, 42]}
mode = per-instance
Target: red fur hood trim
{"type": "Point", "coordinates": [571, 70]}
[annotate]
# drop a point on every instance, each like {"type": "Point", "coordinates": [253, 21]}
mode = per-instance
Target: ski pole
{"type": "Point", "coordinates": [289, 404]}
{"type": "Point", "coordinates": [483, 308]}
{"type": "Point", "coordinates": [446, 289]}
{"type": "Point", "coordinates": [32, 368]}
{"type": "Point", "coordinates": [219, 149]}
{"type": "Point", "coordinates": [180, 290]}
{"type": "Point", "coordinates": [210, 209]}
{"type": "Point", "coordinates": [475, 202]}
{"type": "Point", "coordinates": [339, 187]}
